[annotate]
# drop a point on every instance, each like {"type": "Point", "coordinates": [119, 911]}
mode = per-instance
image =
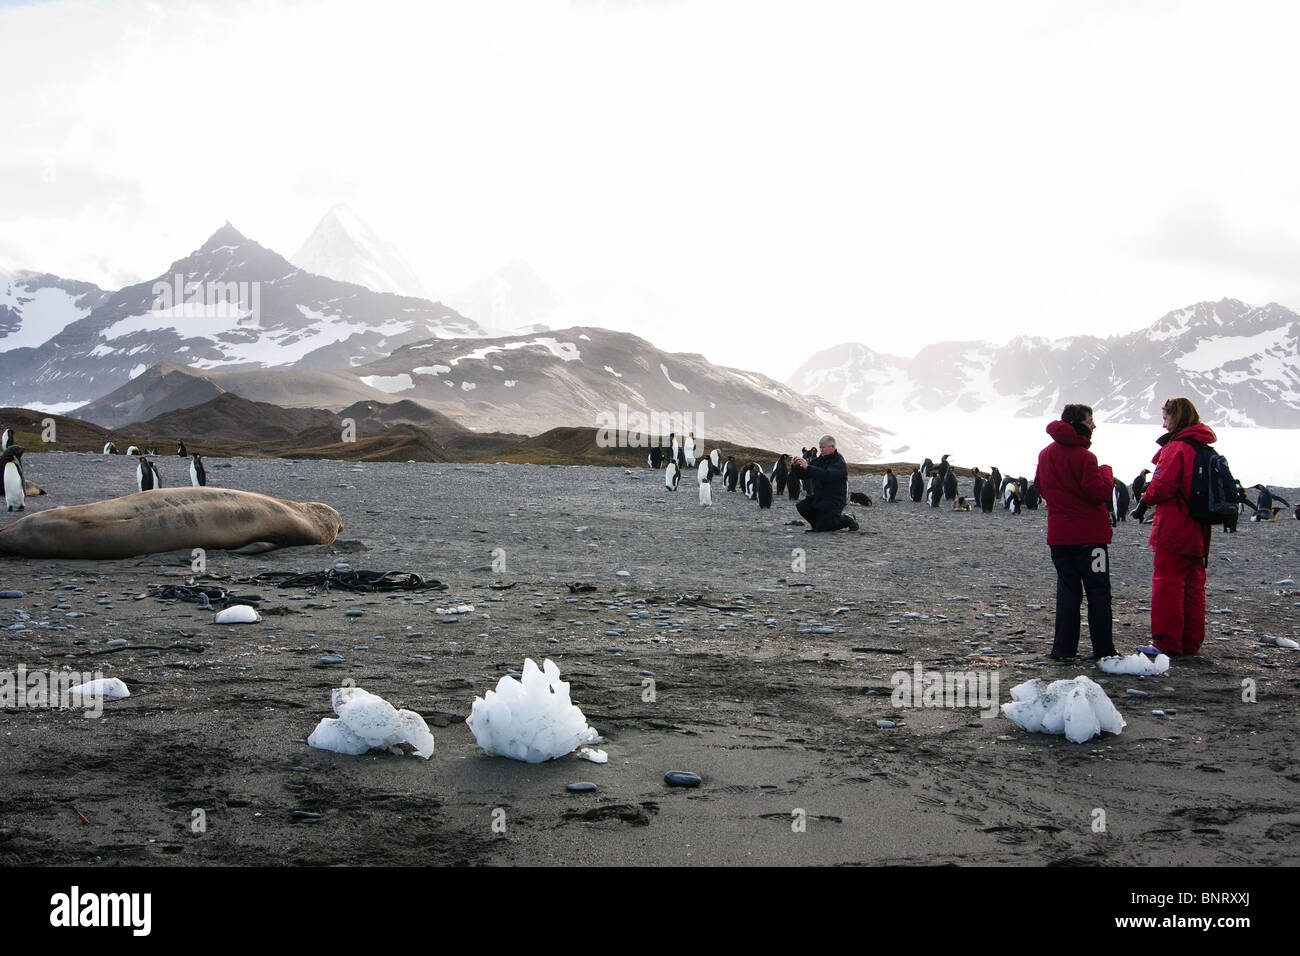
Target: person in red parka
{"type": "Point", "coordinates": [1076, 490]}
{"type": "Point", "coordinates": [1180, 544]}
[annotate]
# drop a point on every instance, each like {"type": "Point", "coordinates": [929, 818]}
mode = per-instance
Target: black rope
{"type": "Point", "coordinates": [357, 581]}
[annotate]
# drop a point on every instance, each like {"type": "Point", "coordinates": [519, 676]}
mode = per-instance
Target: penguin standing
{"type": "Point", "coordinates": [672, 476]}
{"type": "Point", "coordinates": [793, 485]}
{"type": "Point", "coordinates": [987, 493]}
{"type": "Point", "coordinates": [198, 477]}
{"type": "Point", "coordinates": [1012, 494]}
{"type": "Point", "coordinates": [916, 485]}
{"type": "Point", "coordinates": [1140, 484]}
{"type": "Point", "coordinates": [146, 476]}
{"type": "Point", "coordinates": [934, 491]}
{"type": "Point", "coordinates": [705, 473]}
{"type": "Point", "coordinates": [110, 449]}
{"type": "Point", "coordinates": [715, 458]}
{"type": "Point", "coordinates": [6, 439]}
{"type": "Point", "coordinates": [180, 449]}
{"type": "Point", "coordinates": [674, 446]}
{"type": "Point", "coordinates": [949, 482]}
{"type": "Point", "coordinates": [133, 451]}
{"type": "Point", "coordinates": [1033, 496]}
{"type": "Point", "coordinates": [11, 476]}
{"type": "Point", "coordinates": [762, 489]}
{"type": "Point", "coordinates": [942, 468]}
{"type": "Point", "coordinates": [890, 485]}
{"type": "Point", "coordinates": [995, 476]}
{"type": "Point", "coordinates": [748, 480]}
{"type": "Point", "coordinates": [1119, 503]}
{"type": "Point", "coordinates": [730, 473]}
{"type": "Point", "coordinates": [978, 485]}
{"type": "Point", "coordinates": [689, 450]}
{"type": "Point", "coordinates": [781, 473]}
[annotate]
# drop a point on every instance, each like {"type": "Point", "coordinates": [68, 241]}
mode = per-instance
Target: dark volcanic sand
{"type": "Point", "coordinates": [773, 715]}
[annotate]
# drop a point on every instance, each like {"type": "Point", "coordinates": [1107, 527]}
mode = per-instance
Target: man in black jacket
{"type": "Point", "coordinates": [827, 479]}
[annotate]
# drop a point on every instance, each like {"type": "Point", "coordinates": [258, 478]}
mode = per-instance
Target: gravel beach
{"type": "Point", "coordinates": [723, 641]}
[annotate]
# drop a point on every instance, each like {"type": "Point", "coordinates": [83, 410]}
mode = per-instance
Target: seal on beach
{"type": "Point", "coordinates": [198, 477]}
{"type": "Point", "coordinates": [171, 519]}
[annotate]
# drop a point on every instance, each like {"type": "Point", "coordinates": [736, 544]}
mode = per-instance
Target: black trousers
{"type": "Point", "coordinates": [821, 520]}
{"type": "Point", "coordinates": [1082, 568]}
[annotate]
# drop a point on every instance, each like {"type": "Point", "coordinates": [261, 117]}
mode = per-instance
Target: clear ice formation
{"type": "Point", "coordinates": [531, 719]}
{"type": "Point", "coordinates": [1077, 708]}
{"type": "Point", "coordinates": [1138, 664]}
{"type": "Point", "coordinates": [366, 722]}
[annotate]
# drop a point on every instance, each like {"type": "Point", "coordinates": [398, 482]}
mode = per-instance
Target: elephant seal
{"type": "Point", "coordinates": [170, 519]}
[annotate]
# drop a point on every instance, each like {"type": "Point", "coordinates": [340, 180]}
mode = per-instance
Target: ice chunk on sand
{"type": "Point", "coordinates": [366, 722]}
{"type": "Point", "coordinates": [1138, 664]}
{"type": "Point", "coordinates": [1077, 708]}
{"type": "Point", "coordinates": [531, 719]}
{"type": "Point", "coordinates": [238, 614]}
{"type": "Point", "coordinates": [108, 688]}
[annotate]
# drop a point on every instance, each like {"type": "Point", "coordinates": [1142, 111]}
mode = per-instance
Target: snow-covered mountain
{"type": "Point", "coordinates": [344, 247]}
{"type": "Point", "coordinates": [1240, 364]}
{"type": "Point", "coordinates": [232, 305]}
{"type": "Point", "coordinates": [532, 382]}
{"type": "Point", "coordinates": [34, 307]}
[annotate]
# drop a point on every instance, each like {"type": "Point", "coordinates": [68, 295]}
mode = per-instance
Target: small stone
{"type": "Point", "coordinates": [1157, 713]}
{"type": "Point", "coordinates": [682, 778]}
{"type": "Point", "coordinates": [117, 642]}
{"type": "Point", "coordinates": [331, 659]}
{"type": "Point", "coordinates": [353, 613]}
{"type": "Point", "coordinates": [1135, 693]}
{"type": "Point", "coordinates": [582, 786]}
{"type": "Point", "coordinates": [305, 815]}
{"type": "Point", "coordinates": [885, 724]}
{"type": "Point", "coordinates": [11, 594]}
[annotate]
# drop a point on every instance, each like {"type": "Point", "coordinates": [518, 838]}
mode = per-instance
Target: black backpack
{"type": "Point", "coordinates": [1214, 490]}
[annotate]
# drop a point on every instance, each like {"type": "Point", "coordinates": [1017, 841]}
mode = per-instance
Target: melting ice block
{"type": "Point", "coordinates": [531, 719]}
{"type": "Point", "coordinates": [109, 688]}
{"type": "Point", "coordinates": [1138, 664]}
{"type": "Point", "coordinates": [1077, 708]}
{"type": "Point", "coordinates": [366, 722]}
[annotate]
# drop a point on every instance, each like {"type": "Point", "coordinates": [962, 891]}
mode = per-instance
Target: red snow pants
{"type": "Point", "coordinates": [1178, 603]}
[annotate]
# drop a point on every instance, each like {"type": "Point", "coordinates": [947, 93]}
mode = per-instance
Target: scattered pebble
{"type": "Point", "coordinates": [682, 778]}
{"type": "Point", "coordinates": [582, 786]}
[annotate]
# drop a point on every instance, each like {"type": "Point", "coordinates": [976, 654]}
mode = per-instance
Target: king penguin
{"type": "Point", "coordinates": [6, 438]}
{"type": "Point", "coordinates": [110, 448]}
{"type": "Point", "coordinates": [689, 450]}
{"type": "Point", "coordinates": [180, 449]}
{"type": "Point", "coordinates": [988, 491]}
{"type": "Point", "coordinates": [198, 477]}
{"type": "Point", "coordinates": [890, 485]}
{"type": "Point", "coordinates": [949, 482]}
{"type": "Point", "coordinates": [764, 489]}
{"type": "Point", "coordinates": [146, 476]}
{"type": "Point", "coordinates": [934, 490]}
{"type": "Point", "coordinates": [672, 476]}
{"type": "Point", "coordinates": [916, 485]}
{"type": "Point", "coordinates": [11, 475]}
{"type": "Point", "coordinates": [780, 474]}
{"type": "Point", "coordinates": [705, 472]}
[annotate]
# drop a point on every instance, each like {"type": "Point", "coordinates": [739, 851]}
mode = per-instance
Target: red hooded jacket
{"type": "Point", "coordinates": [1075, 488]}
{"type": "Point", "coordinates": [1174, 530]}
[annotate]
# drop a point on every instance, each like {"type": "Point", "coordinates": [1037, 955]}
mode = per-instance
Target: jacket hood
{"type": "Point", "coordinates": [1064, 433]}
{"type": "Point", "coordinates": [1200, 432]}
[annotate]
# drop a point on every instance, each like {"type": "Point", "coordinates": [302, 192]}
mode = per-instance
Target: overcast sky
{"type": "Point", "coordinates": [772, 178]}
